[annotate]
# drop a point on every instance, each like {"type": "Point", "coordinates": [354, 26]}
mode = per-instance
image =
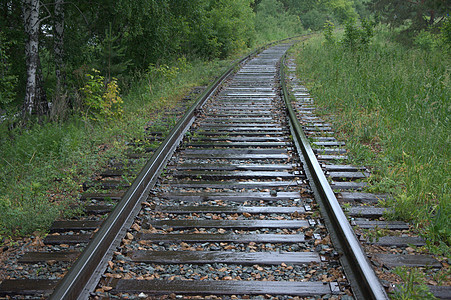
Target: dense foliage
{"type": "Point", "coordinates": [122, 37]}
{"type": "Point", "coordinates": [415, 15]}
{"type": "Point", "coordinates": [7, 79]}
{"type": "Point", "coordinates": [274, 22]}
{"type": "Point", "coordinates": [117, 38]}
{"type": "Point", "coordinates": [314, 14]}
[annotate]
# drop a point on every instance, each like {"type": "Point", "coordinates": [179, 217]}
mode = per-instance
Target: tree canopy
{"type": "Point", "coordinates": [47, 47]}
{"type": "Point", "coordinates": [419, 14]}
{"type": "Point", "coordinates": [63, 40]}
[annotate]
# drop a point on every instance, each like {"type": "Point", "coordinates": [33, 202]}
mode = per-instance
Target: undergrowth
{"type": "Point", "coordinates": [414, 286]}
{"type": "Point", "coordinates": [392, 106]}
{"type": "Point", "coordinates": [42, 166]}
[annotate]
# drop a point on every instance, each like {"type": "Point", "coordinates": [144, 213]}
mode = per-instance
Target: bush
{"type": "Point", "coordinates": [328, 31]}
{"type": "Point", "coordinates": [356, 37]}
{"type": "Point", "coordinates": [425, 40]}
{"type": "Point", "coordinates": [430, 39]}
{"type": "Point", "coordinates": [101, 101]}
{"type": "Point", "coordinates": [224, 27]}
{"type": "Point", "coordinates": [313, 19]}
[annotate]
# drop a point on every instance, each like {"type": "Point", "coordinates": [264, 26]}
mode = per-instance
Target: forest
{"type": "Point", "coordinates": [79, 76]}
{"type": "Point", "coordinates": [48, 47]}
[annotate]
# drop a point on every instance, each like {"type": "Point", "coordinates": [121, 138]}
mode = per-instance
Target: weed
{"type": "Point", "coordinates": [328, 31]}
{"type": "Point", "coordinates": [414, 286]}
{"type": "Point", "coordinates": [346, 206]}
{"type": "Point", "coordinates": [374, 234]}
{"type": "Point", "coordinates": [188, 136]}
{"type": "Point", "coordinates": [442, 275]}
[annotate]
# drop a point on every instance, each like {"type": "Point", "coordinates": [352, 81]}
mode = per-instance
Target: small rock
{"type": "Point", "coordinates": [37, 242]}
{"type": "Point", "coordinates": [51, 262]}
{"type": "Point", "coordinates": [385, 283]}
{"type": "Point", "coordinates": [376, 263]}
{"type": "Point", "coordinates": [410, 250]}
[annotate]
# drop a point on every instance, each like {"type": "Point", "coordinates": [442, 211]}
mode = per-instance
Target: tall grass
{"type": "Point", "coordinates": [42, 166]}
{"type": "Point", "coordinates": [392, 104]}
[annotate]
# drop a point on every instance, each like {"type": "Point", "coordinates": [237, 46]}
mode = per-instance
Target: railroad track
{"type": "Point", "coordinates": [232, 214]}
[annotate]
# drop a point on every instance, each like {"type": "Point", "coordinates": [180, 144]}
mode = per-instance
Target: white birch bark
{"type": "Point", "coordinates": [34, 101]}
{"type": "Point", "coordinates": [58, 44]}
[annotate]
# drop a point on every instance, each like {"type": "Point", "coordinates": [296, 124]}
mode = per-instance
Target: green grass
{"type": "Point", "coordinates": [42, 166]}
{"type": "Point", "coordinates": [414, 286]}
{"type": "Point", "coordinates": [392, 106]}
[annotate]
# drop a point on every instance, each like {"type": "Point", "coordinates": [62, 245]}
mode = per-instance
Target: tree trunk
{"type": "Point", "coordinates": [58, 46]}
{"type": "Point", "coordinates": [35, 100]}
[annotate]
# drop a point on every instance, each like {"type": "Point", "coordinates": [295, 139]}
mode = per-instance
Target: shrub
{"type": "Point", "coordinates": [351, 36]}
{"type": "Point", "coordinates": [313, 19]}
{"type": "Point", "coordinates": [425, 40]}
{"type": "Point", "coordinates": [162, 72]}
{"type": "Point", "coordinates": [356, 37]}
{"type": "Point", "coordinates": [101, 101]}
{"type": "Point", "coordinates": [328, 31]}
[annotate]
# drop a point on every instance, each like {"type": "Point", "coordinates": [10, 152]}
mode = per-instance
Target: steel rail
{"type": "Point", "coordinates": [86, 271]}
{"type": "Point", "coordinates": [363, 280]}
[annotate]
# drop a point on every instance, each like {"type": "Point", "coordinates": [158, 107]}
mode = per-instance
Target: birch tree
{"type": "Point", "coordinates": [58, 45]}
{"type": "Point", "coordinates": [35, 101]}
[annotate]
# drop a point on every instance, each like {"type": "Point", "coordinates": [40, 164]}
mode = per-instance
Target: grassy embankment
{"type": "Point", "coordinates": [392, 106]}
{"type": "Point", "coordinates": [42, 167]}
